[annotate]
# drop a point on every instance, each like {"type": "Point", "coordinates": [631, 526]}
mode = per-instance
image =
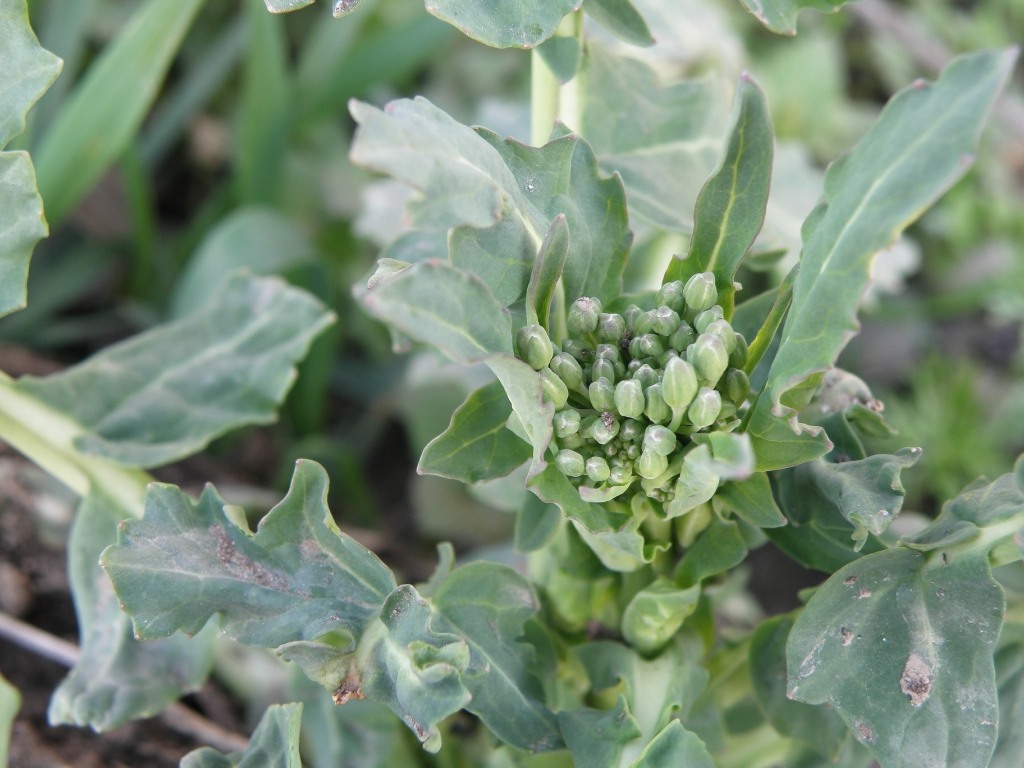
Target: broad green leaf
{"type": "Point", "coordinates": [598, 737]}
{"type": "Point", "coordinates": [752, 501]}
{"type": "Point", "coordinates": [118, 678]}
{"type": "Point", "coordinates": [818, 726]}
{"type": "Point", "coordinates": [780, 15]}
{"type": "Point", "coordinates": [639, 127]}
{"type": "Point", "coordinates": [435, 303]}
{"type": "Point", "coordinates": [901, 645]}
{"type": "Point", "coordinates": [718, 549]}
{"type": "Point", "coordinates": [552, 486]}
{"type": "Point", "coordinates": [504, 23]}
{"type": "Point", "coordinates": [476, 446]}
{"type": "Point", "coordinates": [731, 205]}
{"type": "Point", "coordinates": [258, 239]}
{"type": "Point", "coordinates": [718, 456]}
{"type": "Point", "coordinates": [284, 6]}
{"type": "Point", "coordinates": [487, 605]}
{"type": "Point", "coordinates": [499, 198]}
{"type": "Point", "coordinates": [674, 745]}
{"type": "Point", "coordinates": [562, 55]}
{"type": "Point", "coordinates": [919, 147]}
{"type": "Point", "coordinates": [536, 524]}
{"type": "Point", "coordinates": [621, 18]}
{"type": "Point", "coordinates": [533, 414]}
{"type": "Point", "coordinates": [28, 71]}
{"type": "Point", "coordinates": [656, 613]}
{"type": "Point", "coordinates": [104, 112]}
{"type": "Point", "coordinates": [547, 271]}
{"type": "Point", "coordinates": [624, 549]}
{"type": "Point", "coordinates": [1009, 663]}
{"type": "Point", "coordinates": [275, 742]}
{"type": "Point", "coordinates": [296, 578]}
{"type": "Point", "coordinates": [10, 702]}
{"type": "Point", "coordinates": [166, 393]}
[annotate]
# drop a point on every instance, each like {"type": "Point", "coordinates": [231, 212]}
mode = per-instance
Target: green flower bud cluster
{"type": "Point", "coordinates": [631, 389]}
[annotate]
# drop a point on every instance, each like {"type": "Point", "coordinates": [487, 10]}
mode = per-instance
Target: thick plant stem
{"type": "Point", "coordinates": [551, 101]}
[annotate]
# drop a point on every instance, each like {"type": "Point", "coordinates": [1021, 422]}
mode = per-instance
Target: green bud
{"type": "Point", "coordinates": [629, 398]}
{"type": "Point", "coordinates": [737, 386]}
{"type": "Point", "coordinates": [738, 357]}
{"type": "Point", "coordinates": [700, 292]}
{"type": "Point", "coordinates": [583, 315]}
{"type": "Point", "coordinates": [602, 369]}
{"type": "Point", "coordinates": [659, 439]}
{"type": "Point", "coordinates": [657, 409]}
{"type": "Point", "coordinates": [631, 431]}
{"type": "Point", "coordinates": [573, 442]}
{"type": "Point", "coordinates": [553, 389]}
{"type": "Point", "coordinates": [706, 318]}
{"type": "Point", "coordinates": [566, 423]}
{"type": "Point", "coordinates": [724, 331]}
{"type": "Point", "coordinates": [609, 352]}
{"type": "Point", "coordinates": [630, 315]}
{"type": "Point", "coordinates": [611, 328]}
{"type": "Point", "coordinates": [570, 463]}
{"type": "Point", "coordinates": [646, 345]}
{"type": "Point", "coordinates": [632, 452]}
{"type": "Point", "coordinates": [582, 352]}
{"type": "Point", "coordinates": [602, 395]}
{"type": "Point", "coordinates": [533, 346]}
{"type": "Point", "coordinates": [683, 337]}
{"type": "Point", "coordinates": [644, 323]}
{"type": "Point", "coordinates": [705, 408]}
{"type": "Point", "coordinates": [709, 357]}
{"type": "Point", "coordinates": [665, 321]}
{"type": "Point", "coordinates": [646, 375]}
{"type": "Point", "coordinates": [620, 475]}
{"type": "Point", "coordinates": [672, 296]}
{"type": "Point", "coordinates": [605, 428]}
{"type": "Point", "coordinates": [651, 464]}
{"type": "Point", "coordinates": [568, 369]}
{"type": "Point", "coordinates": [597, 469]}
{"type": "Point", "coordinates": [679, 383]}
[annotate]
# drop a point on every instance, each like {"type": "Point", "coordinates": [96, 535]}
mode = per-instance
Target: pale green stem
{"type": "Point", "coordinates": [550, 101]}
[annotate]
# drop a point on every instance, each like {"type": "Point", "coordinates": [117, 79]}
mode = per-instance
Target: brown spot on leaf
{"type": "Point", "coordinates": [846, 634]}
{"type": "Point", "coordinates": [864, 733]}
{"type": "Point", "coordinates": [351, 688]}
{"type": "Point", "coordinates": [916, 680]}
{"type": "Point", "coordinates": [863, 592]}
{"type": "Point", "coordinates": [850, 581]}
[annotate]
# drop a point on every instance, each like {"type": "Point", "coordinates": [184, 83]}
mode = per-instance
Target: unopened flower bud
{"type": "Point", "coordinates": [611, 328]}
{"type": "Point", "coordinates": [679, 383]}
{"type": "Point", "coordinates": [604, 428]}
{"type": "Point", "coordinates": [630, 315]}
{"type": "Point", "coordinates": [572, 442]}
{"type": "Point", "coordinates": [597, 469]}
{"type": "Point", "coordinates": [553, 389]}
{"type": "Point", "coordinates": [602, 395]}
{"type": "Point", "coordinates": [609, 352]}
{"type": "Point", "coordinates": [737, 386]}
{"type": "Point", "coordinates": [705, 408]}
{"type": "Point", "coordinates": [583, 315]}
{"type": "Point", "coordinates": [656, 409]}
{"type": "Point", "coordinates": [646, 376]}
{"type": "Point", "coordinates": [738, 357]}
{"type": "Point", "coordinates": [602, 369]}
{"type": "Point", "coordinates": [646, 345]}
{"type": "Point", "coordinates": [570, 463]}
{"type": "Point", "coordinates": [706, 318]}
{"type": "Point", "coordinates": [534, 346]}
{"type": "Point", "coordinates": [580, 350]}
{"type": "Point", "coordinates": [659, 439]}
{"type": "Point", "coordinates": [683, 337]}
{"type": "Point", "coordinates": [568, 369]}
{"type": "Point", "coordinates": [664, 321]}
{"type": "Point", "coordinates": [671, 295]}
{"type": "Point", "coordinates": [630, 431]}
{"type": "Point", "coordinates": [566, 423]}
{"type": "Point", "coordinates": [700, 292]}
{"type": "Point", "coordinates": [644, 323]}
{"type": "Point", "coordinates": [629, 398]}
{"type": "Point", "coordinates": [651, 464]}
{"type": "Point", "coordinates": [620, 475]}
{"type": "Point", "coordinates": [724, 331]}
{"type": "Point", "coordinates": [710, 358]}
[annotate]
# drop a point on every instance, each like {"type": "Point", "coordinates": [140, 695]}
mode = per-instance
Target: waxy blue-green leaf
{"type": "Point", "coordinates": [504, 23]}
{"type": "Point", "coordinates": [166, 393]}
{"type": "Point", "coordinates": [731, 205]}
{"type": "Point", "coordinates": [275, 742]}
{"type": "Point", "coordinates": [536, 524]}
{"type": "Point", "coordinates": [674, 745]}
{"type": "Point", "coordinates": [552, 486]}
{"type": "Point", "coordinates": [476, 446]}
{"type": "Point", "coordinates": [598, 737]}
{"type": "Point", "coordinates": [621, 18]}
{"type": "Point", "coordinates": [718, 549]}
{"type": "Point", "coordinates": [547, 271]}
{"type": "Point", "coordinates": [901, 645]}
{"type": "Point", "coordinates": [752, 501]}
{"type": "Point", "coordinates": [656, 613]}
{"type": "Point", "coordinates": [1009, 663]}
{"type": "Point", "coordinates": [780, 15]}
{"type": "Point", "coordinates": [818, 726]}
{"type": "Point", "coordinates": [28, 71]}
{"type": "Point", "coordinates": [499, 198]}
{"type": "Point", "coordinates": [562, 55]}
{"type": "Point", "coordinates": [639, 128]}
{"type": "Point", "coordinates": [99, 119]}
{"type": "Point", "coordinates": [487, 605]}
{"type": "Point", "coordinates": [920, 146]}
{"type": "Point", "coordinates": [10, 702]}
{"type": "Point", "coordinates": [532, 414]}
{"type": "Point", "coordinates": [296, 578]}
{"type": "Point", "coordinates": [117, 678]}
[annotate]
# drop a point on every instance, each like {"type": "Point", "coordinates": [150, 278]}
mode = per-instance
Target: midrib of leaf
{"type": "Point", "coordinates": [734, 179]}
